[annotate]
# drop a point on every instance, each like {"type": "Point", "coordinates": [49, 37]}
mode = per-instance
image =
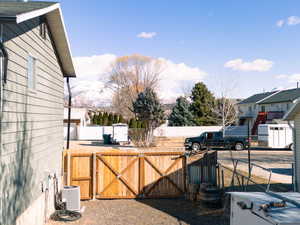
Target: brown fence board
{"type": "Point", "coordinates": [126, 175]}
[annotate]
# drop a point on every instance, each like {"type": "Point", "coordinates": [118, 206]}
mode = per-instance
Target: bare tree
{"type": "Point", "coordinates": [226, 112]}
{"type": "Point", "coordinates": [225, 108]}
{"type": "Point", "coordinates": [131, 75]}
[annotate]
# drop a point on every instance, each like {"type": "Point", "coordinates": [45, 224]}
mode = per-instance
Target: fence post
{"type": "Point", "coordinates": [185, 173]}
{"type": "Point", "coordinates": [219, 178]}
{"type": "Point", "coordinates": [68, 168]}
{"type": "Point", "coordinates": [94, 175]}
{"type": "Point", "coordinates": [141, 175]}
{"type": "Point", "coordinates": [222, 178]}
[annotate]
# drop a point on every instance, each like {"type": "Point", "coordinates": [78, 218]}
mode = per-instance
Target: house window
{"type": "Point", "coordinates": [263, 108]}
{"type": "Point", "coordinates": [31, 72]}
{"type": "Point", "coordinates": [250, 109]}
{"type": "Point", "coordinates": [287, 106]}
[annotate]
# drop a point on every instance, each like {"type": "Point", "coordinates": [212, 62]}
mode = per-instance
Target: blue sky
{"type": "Point", "coordinates": [202, 35]}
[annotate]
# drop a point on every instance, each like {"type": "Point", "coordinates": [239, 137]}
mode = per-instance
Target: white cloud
{"type": "Point", "coordinates": [176, 77]}
{"type": "Point", "coordinates": [290, 21]}
{"type": "Point", "coordinates": [93, 66]}
{"type": "Point", "coordinates": [89, 86]}
{"type": "Point", "coordinates": [146, 35]}
{"type": "Point", "coordinates": [259, 65]}
{"type": "Point", "coordinates": [280, 23]}
{"type": "Point", "coordinates": [292, 78]}
{"type": "Point", "coordinates": [293, 20]}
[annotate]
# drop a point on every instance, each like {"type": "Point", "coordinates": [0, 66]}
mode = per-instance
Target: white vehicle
{"type": "Point", "coordinates": [259, 208]}
{"type": "Point", "coordinates": [275, 135]}
{"type": "Point", "coordinates": [120, 133]}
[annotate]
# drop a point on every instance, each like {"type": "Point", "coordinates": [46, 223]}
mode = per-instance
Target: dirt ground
{"type": "Point", "coordinates": [148, 212]}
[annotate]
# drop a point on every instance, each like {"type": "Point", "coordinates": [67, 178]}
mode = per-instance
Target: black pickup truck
{"type": "Point", "coordinates": [216, 140]}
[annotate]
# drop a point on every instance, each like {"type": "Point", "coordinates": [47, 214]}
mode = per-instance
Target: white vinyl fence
{"type": "Point", "coordinates": [184, 131]}
{"type": "Point", "coordinates": [88, 133]}
{"type": "Point", "coordinates": [96, 132]}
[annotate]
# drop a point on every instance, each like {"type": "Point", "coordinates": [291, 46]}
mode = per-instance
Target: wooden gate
{"type": "Point", "coordinates": [112, 175]}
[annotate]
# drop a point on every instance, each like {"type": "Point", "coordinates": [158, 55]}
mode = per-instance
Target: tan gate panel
{"type": "Point", "coordinates": [81, 174]}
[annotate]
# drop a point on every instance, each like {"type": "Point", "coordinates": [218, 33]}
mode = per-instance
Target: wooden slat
{"type": "Point", "coordinates": [126, 183]}
{"type": "Point", "coordinates": [94, 175]}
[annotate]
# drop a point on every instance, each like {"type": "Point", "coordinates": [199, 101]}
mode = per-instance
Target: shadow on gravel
{"type": "Point", "coordinates": [188, 212]}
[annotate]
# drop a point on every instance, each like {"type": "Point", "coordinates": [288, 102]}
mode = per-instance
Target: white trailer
{"type": "Point", "coordinates": [250, 208]}
{"type": "Point", "coordinates": [275, 135]}
{"type": "Point", "coordinates": [120, 133]}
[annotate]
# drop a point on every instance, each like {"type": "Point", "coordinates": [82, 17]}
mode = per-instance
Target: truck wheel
{"type": "Point", "coordinates": [196, 147]}
{"type": "Point", "coordinates": [239, 146]}
{"type": "Point", "coordinates": [291, 146]}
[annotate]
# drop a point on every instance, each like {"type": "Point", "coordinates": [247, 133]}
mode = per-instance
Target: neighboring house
{"type": "Point", "coordinates": [268, 107]}
{"type": "Point", "coordinates": [294, 115]}
{"type": "Point", "coordinates": [79, 118]}
{"type": "Point", "coordinates": [35, 58]}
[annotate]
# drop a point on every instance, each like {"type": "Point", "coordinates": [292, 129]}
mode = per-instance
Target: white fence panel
{"type": "Point", "coordinates": [90, 133]}
{"type": "Point", "coordinates": [184, 131]}
{"type": "Point", "coordinates": [73, 132]}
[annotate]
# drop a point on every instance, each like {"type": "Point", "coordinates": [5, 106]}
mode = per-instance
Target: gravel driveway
{"type": "Point", "coordinates": [150, 211]}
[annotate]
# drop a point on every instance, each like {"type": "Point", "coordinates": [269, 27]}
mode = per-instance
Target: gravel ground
{"type": "Point", "coordinates": [148, 212]}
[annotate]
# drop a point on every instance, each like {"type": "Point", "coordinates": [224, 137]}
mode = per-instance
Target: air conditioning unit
{"type": "Point", "coordinates": [71, 196]}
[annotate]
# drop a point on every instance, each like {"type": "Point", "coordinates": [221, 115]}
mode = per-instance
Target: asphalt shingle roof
{"type": "Point", "coordinates": [283, 96]}
{"type": "Point", "coordinates": [257, 97]}
{"type": "Point", "coordinates": [11, 9]}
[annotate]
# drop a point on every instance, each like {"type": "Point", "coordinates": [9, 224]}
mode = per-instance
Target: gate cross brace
{"type": "Point", "coordinates": [163, 175]}
{"type": "Point", "coordinates": [118, 175]}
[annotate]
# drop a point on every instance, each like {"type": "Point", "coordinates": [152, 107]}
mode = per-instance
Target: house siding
{"type": "Point", "coordinates": [32, 120]}
{"type": "Point", "coordinates": [297, 150]}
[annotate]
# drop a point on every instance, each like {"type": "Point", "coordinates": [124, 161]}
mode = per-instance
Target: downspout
{"type": "Point", "coordinates": [3, 78]}
{"type": "Point", "coordinates": [69, 112]}
{"type": "Point", "coordinates": [294, 154]}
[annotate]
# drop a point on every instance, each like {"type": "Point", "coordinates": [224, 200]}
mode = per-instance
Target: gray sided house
{"type": "Point", "coordinates": [268, 107]}
{"type": "Point", "coordinates": [294, 115]}
{"type": "Point", "coordinates": [35, 58]}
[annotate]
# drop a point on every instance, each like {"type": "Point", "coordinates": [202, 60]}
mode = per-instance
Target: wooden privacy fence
{"type": "Point", "coordinates": [203, 170]}
{"type": "Point", "coordinates": [109, 175]}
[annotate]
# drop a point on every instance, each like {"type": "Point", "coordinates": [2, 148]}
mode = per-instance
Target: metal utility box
{"type": "Point", "coordinates": [120, 133]}
{"type": "Point", "coordinates": [275, 135]}
{"type": "Point", "coordinates": [252, 214]}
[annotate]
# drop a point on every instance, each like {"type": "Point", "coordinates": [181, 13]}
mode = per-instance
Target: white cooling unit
{"type": "Point", "coordinates": [71, 195]}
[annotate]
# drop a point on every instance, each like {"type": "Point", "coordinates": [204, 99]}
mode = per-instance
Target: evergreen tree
{"type": "Point", "coordinates": [110, 119]}
{"type": "Point", "coordinates": [105, 119]}
{"type": "Point", "coordinates": [94, 119]}
{"type": "Point", "coordinates": [121, 119]}
{"type": "Point", "coordinates": [130, 125]}
{"type": "Point", "coordinates": [134, 123]}
{"type": "Point", "coordinates": [115, 118]}
{"type": "Point", "coordinates": [181, 114]}
{"type": "Point", "coordinates": [203, 105]}
{"type": "Point", "coordinates": [149, 110]}
{"type": "Point", "coordinates": [100, 119]}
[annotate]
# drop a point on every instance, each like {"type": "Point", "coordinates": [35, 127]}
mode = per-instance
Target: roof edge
{"type": "Point", "coordinates": [47, 11]}
{"type": "Point", "coordinates": [35, 13]}
{"type": "Point", "coordinates": [271, 95]}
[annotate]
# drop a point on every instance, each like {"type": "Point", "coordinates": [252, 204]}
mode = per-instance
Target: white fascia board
{"type": "Point", "coordinates": [65, 32]}
{"type": "Point", "coordinates": [290, 114]}
{"type": "Point", "coordinates": [36, 13]}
